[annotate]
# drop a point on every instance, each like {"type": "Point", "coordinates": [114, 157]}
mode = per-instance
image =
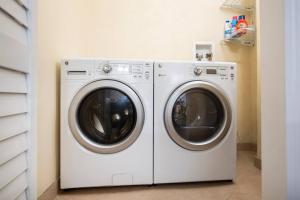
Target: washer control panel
{"type": "Point", "coordinates": [136, 70]}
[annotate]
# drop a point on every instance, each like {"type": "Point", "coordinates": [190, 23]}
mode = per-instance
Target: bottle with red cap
{"type": "Point", "coordinates": [242, 23]}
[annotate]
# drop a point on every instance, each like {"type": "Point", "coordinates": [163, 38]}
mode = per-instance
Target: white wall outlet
{"type": "Point", "coordinates": [203, 51]}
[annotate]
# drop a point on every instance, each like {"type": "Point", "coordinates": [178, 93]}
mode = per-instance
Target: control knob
{"type": "Point", "coordinates": [106, 68]}
{"type": "Point", "coordinates": [197, 71]}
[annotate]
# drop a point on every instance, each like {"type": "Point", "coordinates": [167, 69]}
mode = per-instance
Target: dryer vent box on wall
{"type": "Point", "coordinates": [203, 51]}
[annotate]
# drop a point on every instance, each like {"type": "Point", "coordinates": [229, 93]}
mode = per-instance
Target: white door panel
{"type": "Point", "coordinates": [12, 81]}
{"type": "Point", "coordinates": [10, 170]}
{"type": "Point", "coordinates": [16, 133]}
{"type": "Point", "coordinates": [7, 130]}
{"type": "Point", "coordinates": [15, 10]}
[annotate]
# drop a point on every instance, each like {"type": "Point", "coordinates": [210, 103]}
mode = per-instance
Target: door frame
{"type": "Point", "coordinates": [280, 98]}
{"type": "Point", "coordinates": [292, 95]}
{"type": "Point", "coordinates": [32, 99]}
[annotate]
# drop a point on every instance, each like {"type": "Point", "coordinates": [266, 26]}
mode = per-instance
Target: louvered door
{"type": "Point", "coordinates": [15, 100]}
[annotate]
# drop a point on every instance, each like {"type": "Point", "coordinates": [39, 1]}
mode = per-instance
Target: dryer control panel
{"type": "Point", "coordinates": [222, 72]}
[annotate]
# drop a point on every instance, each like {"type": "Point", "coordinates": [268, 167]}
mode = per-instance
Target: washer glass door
{"type": "Point", "coordinates": [197, 115]}
{"type": "Point", "coordinates": [106, 116]}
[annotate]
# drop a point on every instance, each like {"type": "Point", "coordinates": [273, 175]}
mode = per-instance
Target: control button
{"type": "Point", "coordinates": [197, 71]}
{"type": "Point", "coordinates": [147, 75]}
{"type": "Point", "coordinates": [106, 68]}
{"type": "Point", "coordinates": [137, 69]}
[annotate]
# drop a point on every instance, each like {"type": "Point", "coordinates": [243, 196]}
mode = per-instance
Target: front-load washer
{"type": "Point", "coordinates": [106, 123]}
{"type": "Point", "coordinates": [194, 121]}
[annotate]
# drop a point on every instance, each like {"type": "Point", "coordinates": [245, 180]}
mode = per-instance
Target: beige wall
{"type": "Point", "coordinates": [167, 30]}
{"type": "Point", "coordinates": [273, 100]}
{"type": "Point", "coordinates": [58, 36]}
{"type": "Point", "coordinates": [128, 29]}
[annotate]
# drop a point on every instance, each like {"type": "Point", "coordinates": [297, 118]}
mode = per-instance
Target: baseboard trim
{"type": "Point", "coordinates": [246, 147]}
{"type": "Point", "coordinates": [51, 192]}
{"type": "Point", "coordinates": [257, 162]}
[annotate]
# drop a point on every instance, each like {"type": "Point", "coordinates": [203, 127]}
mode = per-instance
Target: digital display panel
{"type": "Point", "coordinates": [211, 71]}
{"type": "Point", "coordinates": [123, 68]}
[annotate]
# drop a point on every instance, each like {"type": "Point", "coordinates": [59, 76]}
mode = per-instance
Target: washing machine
{"type": "Point", "coordinates": [106, 123]}
{"type": "Point", "coordinates": [194, 121]}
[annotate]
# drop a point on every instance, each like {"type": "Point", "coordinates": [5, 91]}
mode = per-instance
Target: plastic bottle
{"type": "Point", "coordinates": [234, 23]}
{"type": "Point", "coordinates": [242, 23]}
{"type": "Point", "coordinates": [227, 30]}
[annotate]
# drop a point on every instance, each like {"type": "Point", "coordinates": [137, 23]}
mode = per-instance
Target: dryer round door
{"type": "Point", "coordinates": [106, 116]}
{"type": "Point", "coordinates": [197, 116]}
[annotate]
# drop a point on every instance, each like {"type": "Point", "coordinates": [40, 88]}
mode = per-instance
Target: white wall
{"type": "Point", "coordinates": [273, 100]}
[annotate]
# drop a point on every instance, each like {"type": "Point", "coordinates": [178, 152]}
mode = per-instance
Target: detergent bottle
{"type": "Point", "coordinates": [234, 22]}
{"type": "Point", "coordinates": [242, 23]}
{"type": "Point", "coordinates": [227, 30]}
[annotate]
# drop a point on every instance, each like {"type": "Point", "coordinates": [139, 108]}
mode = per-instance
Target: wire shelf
{"type": "Point", "coordinates": [238, 6]}
{"type": "Point", "coordinates": [245, 37]}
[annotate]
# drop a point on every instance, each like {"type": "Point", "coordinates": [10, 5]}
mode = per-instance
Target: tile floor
{"type": "Point", "coordinates": [246, 187]}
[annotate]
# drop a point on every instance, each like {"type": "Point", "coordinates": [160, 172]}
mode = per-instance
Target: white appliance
{"type": "Point", "coordinates": [194, 121]}
{"type": "Point", "coordinates": [106, 123]}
